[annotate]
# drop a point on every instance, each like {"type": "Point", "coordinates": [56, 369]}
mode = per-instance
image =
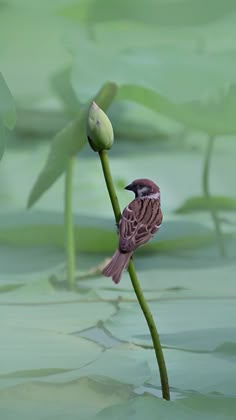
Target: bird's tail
{"type": "Point", "coordinates": [116, 266]}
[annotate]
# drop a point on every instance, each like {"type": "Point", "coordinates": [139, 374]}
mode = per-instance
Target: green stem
{"type": "Point", "coordinates": [109, 183]}
{"type": "Point", "coordinates": [69, 228]}
{"type": "Point", "coordinates": [153, 331]}
{"type": "Point", "coordinates": [206, 191]}
{"type": "Point", "coordinates": [134, 279]}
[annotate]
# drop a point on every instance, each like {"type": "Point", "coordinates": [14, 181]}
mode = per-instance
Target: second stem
{"type": "Point", "coordinates": [69, 227]}
{"type": "Point", "coordinates": [206, 192]}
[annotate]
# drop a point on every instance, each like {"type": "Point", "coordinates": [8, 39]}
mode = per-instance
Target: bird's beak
{"type": "Point", "coordinates": [129, 187]}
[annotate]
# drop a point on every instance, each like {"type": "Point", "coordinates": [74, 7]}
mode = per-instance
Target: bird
{"type": "Point", "coordinates": [139, 221]}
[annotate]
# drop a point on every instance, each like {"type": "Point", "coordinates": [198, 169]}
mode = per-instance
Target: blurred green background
{"type": "Point", "coordinates": [88, 354]}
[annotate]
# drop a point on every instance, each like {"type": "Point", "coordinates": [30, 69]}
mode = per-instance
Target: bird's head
{"type": "Point", "coordinates": [144, 188]}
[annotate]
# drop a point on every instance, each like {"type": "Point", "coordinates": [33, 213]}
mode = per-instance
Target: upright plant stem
{"type": "Point", "coordinates": [153, 331]}
{"type": "Point", "coordinates": [134, 279]}
{"type": "Point", "coordinates": [206, 191]}
{"type": "Point", "coordinates": [109, 183]}
{"type": "Point", "coordinates": [69, 228]}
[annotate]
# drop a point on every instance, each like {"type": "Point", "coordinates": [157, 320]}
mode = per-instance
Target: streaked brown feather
{"type": "Point", "coordinates": [139, 222]}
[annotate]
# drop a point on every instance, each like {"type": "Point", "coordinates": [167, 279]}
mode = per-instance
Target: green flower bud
{"type": "Point", "coordinates": [99, 129]}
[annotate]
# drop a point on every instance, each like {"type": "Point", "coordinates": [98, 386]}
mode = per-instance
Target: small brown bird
{"type": "Point", "coordinates": [139, 221]}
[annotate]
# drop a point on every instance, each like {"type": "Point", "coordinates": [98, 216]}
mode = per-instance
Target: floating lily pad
{"type": "Point", "coordinates": [94, 234]}
{"type": "Point", "coordinates": [75, 400]}
{"type": "Point", "coordinates": [41, 352]}
{"type": "Point", "coordinates": [191, 407]}
{"type": "Point", "coordinates": [202, 204]}
{"type": "Point", "coordinates": [59, 317]}
{"type": "Point", "coordinates": [184, 320]}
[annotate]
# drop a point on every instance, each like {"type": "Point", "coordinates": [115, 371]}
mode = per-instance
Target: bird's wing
{"type": "Point", "coordinates": [140, 220]}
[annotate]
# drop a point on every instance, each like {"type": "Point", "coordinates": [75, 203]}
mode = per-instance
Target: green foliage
{"type": "Point", "coordinates": [96, 235]}
{"type": "Point", "coordinates": [61, 85]}
{"type": "Point", "coordinates": [183, 333]}
{"type": "Point", "coordinates": [177, 13]}
{"type": "Point", "coordinates": [215, 117]}
{"type": "Point", "coordinates": [191, 407]}
{"type": "Point", "coordinates": [58, 401]}
{"type": "Point", "coordinates": [177, 74]}
{"type": "Point", "coordinates": [68, 143]}
{"type": "Point", "coordinates": [195, 331]}
{"type": "Point", "coordinates": [194, 204]}
{"type": "Point", "coordinates": [7, 107]}
{"type": "Point", "coordinates": [87, 354]}
{"type": "Point", "coordinates": [7, 112]}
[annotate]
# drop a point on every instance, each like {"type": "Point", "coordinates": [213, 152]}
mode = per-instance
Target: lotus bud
{"type": "Point", "coordinates": [99, 129]}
